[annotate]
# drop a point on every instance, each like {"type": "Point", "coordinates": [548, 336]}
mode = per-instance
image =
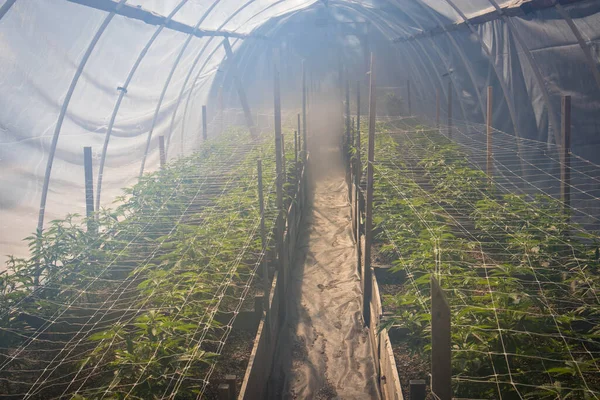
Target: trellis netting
{"type": "Point", "coordinates": [79, 73]}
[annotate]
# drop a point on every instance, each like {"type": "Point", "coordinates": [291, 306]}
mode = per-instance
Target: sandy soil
{"type": "Point", "coordinates": [324, 351]}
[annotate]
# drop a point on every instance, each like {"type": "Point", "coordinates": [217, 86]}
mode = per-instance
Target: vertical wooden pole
{"type": "Point", "coordinates": [565, 169]}
{"type": "Point", "coordinates": [437, 109]}
{"type": "Point", "coordinates": [490, 111]}
{"type": "Point", "coordinates": [417, 389]}
{"type": "Point", "coordinates": [263, 232]}
{"type": "Point", "coordinates": [305, 143]}
{"type": "Point", "coordinates": [231, 381]}
{"type": "Point", "coordinates": [348, 143]}
{"type": "Point", "coordinates": [299, 134]}
{"type": "Point", "coordinates": [161, 151]}
{"type": "Point", "coordinates": [221, 110]}
{"type": "Point", "coordinates": [408, 97]}
{"type": "Point", "coordinates": [357, 178]}
{"type": "Point", "coordinates": [441, 351]}
{"type": "Point", "coordinates": [296, 149]}
{"type": "Point", "coordinates": [367, 279]}
{"type": "Point", "coordinates": [450, 109]}
{"type": "Point", "coordinates": [283, 160]}
{"type": "Point", "coordinates": [204, 124]}
{"type": "Point", "coordinates": [279, 185]}
{"type": "Point", "coordinates": [89, 188]}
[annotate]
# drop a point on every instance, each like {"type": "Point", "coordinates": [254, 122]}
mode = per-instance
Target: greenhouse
{"type": "Point", "coordinates": [299, 199]}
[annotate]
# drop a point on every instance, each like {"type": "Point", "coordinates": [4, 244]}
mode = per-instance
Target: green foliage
{"type": "Point", "coordinates": [521, 279]}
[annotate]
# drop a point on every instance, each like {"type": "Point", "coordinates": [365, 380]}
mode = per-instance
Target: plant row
{"type": "Point", "coordinates": [521, 279]}
{"type": "Point", "coordinates": [128, 308]}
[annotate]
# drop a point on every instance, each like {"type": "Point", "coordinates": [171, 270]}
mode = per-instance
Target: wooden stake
{"type": "Point", "coordinates": [367, 279]}
{"type": "Point", "coordinates": [357, 178]}
{"type": "Point", "coordinates": [296, 149]}
{"type": "Point", "coordinates": [221, 110]}
{"type": "Point", "coordinates": [279, 177]}
{"type": "Point", "coordinates": [437, 109]}
{"type": "Point", "coordinates": [304, 109]}
{"type": "Point", "coordinates": [231, 381]}
{"type": "Point", "coordinates": [565, 169]}
{"type": "Point", "coordinates": [161, 151]}
{"type": "Point", "coordinates": [450, 109]}
{"type": "Point", "coordinates": [417, 389]}
{"type": "Point", "coordinates": [408, 97]}
{"type": "Point", "coordinates": [204, 124]}
{"type": "Point", "coordinates": [89, 188]}
{"type": "Point", "coordinates": [299, 133]}
{"type": "Point", "coordinates": [441, 351]}
{"type": "Point", "coordinates": [489, 164]}
{"type": "Point", "coordinates": [263, 232]}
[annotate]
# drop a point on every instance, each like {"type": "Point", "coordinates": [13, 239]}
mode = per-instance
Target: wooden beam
{"type": "Point", "coordinates": [152, 18]}
{"type": "Point", "coordinates": [441, 350]}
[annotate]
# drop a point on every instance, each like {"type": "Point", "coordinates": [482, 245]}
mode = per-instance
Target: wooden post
{"type": "Point", "coordinates": [296, 149]}
{"type": "Point", "coordinates": [299, 133]}
{"type": "Point", "coordinates": [348, 144]}
{"type": "Point", "coordinates": [357, 178]}
{"type": "Point", "coordinates": [89, 188]}
{"type": "Point", "coordinates": [221, 110]}
{"type": "Point", "coordinates": [450, 109]}
{"type": "Point", "coordinates": [441, 364]}
{"type": "Point", "coordinates": [223, 391]}
{"type": "Point", "coordinates": [263, 233]}
{"type": "Point", "coordinates": [204, 124]}
{"type": "Point", "coordinates": [437, 109]}
{"type": "Point", "coordinates": [304, 109]}
{"type": "Point", "coordinates": [283, 166]}
{"type": "Point", "coordinates": [417, 389]}
{"type": "Point", "coordinates": [161, 151]}
{"type": "Point", "coordinates": [231, 381]}
{"type": "Point", "coordinates": [279, 182]}
{"type": "Point", "coordinates": [489, 164]}
{"type": "Point", "coordinates": [367, 279]}
{"type": "Point", "coordinates": [565, 168]}
{"type": "Point", "coordinates": [240, 88]}
{"type": "Point", "coordinates": [408, 97]}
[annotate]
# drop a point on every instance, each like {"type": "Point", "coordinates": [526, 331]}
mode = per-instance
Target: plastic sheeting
{"type": "Point", "coordinates": [531, 59]}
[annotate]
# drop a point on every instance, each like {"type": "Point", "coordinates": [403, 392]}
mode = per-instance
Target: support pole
{"type": "Point", "coordinates": [437, 109]}
{"type": "Point", "coordinates": [221, 110]}
{"type": "Point", "coordinates": [231, 381]}
{"type": "Point", "coordinates": [367, 279]}
{"type": "Point", "coordinates": [450, 109]}
{"type": "Point", "coordinates": [263, 232]}
{"type": "Point", "coordinates": [357, 178]}
{"type": "Point", "coordinates": [279, 183]}
{"type": "Point", "coordinates": [348, 143]}
{"type": "Point", "coordinates": [408, 97]}
{"type": "Point", "coordinates": [296, 149]}
{"type": "Point", "coordinates": [417, 389]}
{"type": "Point", "coordinates": [565, 168]}
{"type": "Point", "coordinates": [204, 124]}
{"type": "Point", "coordinates": [239, 87]}
{"type": "Point", "coordinates": [441, 351]}
{"type": "Point", "coordinates": [299, 133]}
{"type": "Point", "coordinates": [89, 188]}
{"type": "Point", "coordinates": [490, 112]}
{"type": "Point", "coordinates": [161, 151]}
{"type": "Point", "coordinates": [304, 109]}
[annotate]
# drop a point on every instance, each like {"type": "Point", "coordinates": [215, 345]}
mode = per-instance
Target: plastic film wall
{"type": "Point", "coordinates": [76, 76]}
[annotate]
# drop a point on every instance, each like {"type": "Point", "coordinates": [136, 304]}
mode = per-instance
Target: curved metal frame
{"type": "Point", "coordinates": [536, 71]}
{"type": "Point", "coordinates": [122, 91]}
{"type": "Point", "coordinates": [168, 80]}
{"type": "Point", "coordinates": [63, 112]}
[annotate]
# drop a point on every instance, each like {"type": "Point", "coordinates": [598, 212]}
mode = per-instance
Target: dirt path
{"type": "Point", "coordinates": [324, 352]}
